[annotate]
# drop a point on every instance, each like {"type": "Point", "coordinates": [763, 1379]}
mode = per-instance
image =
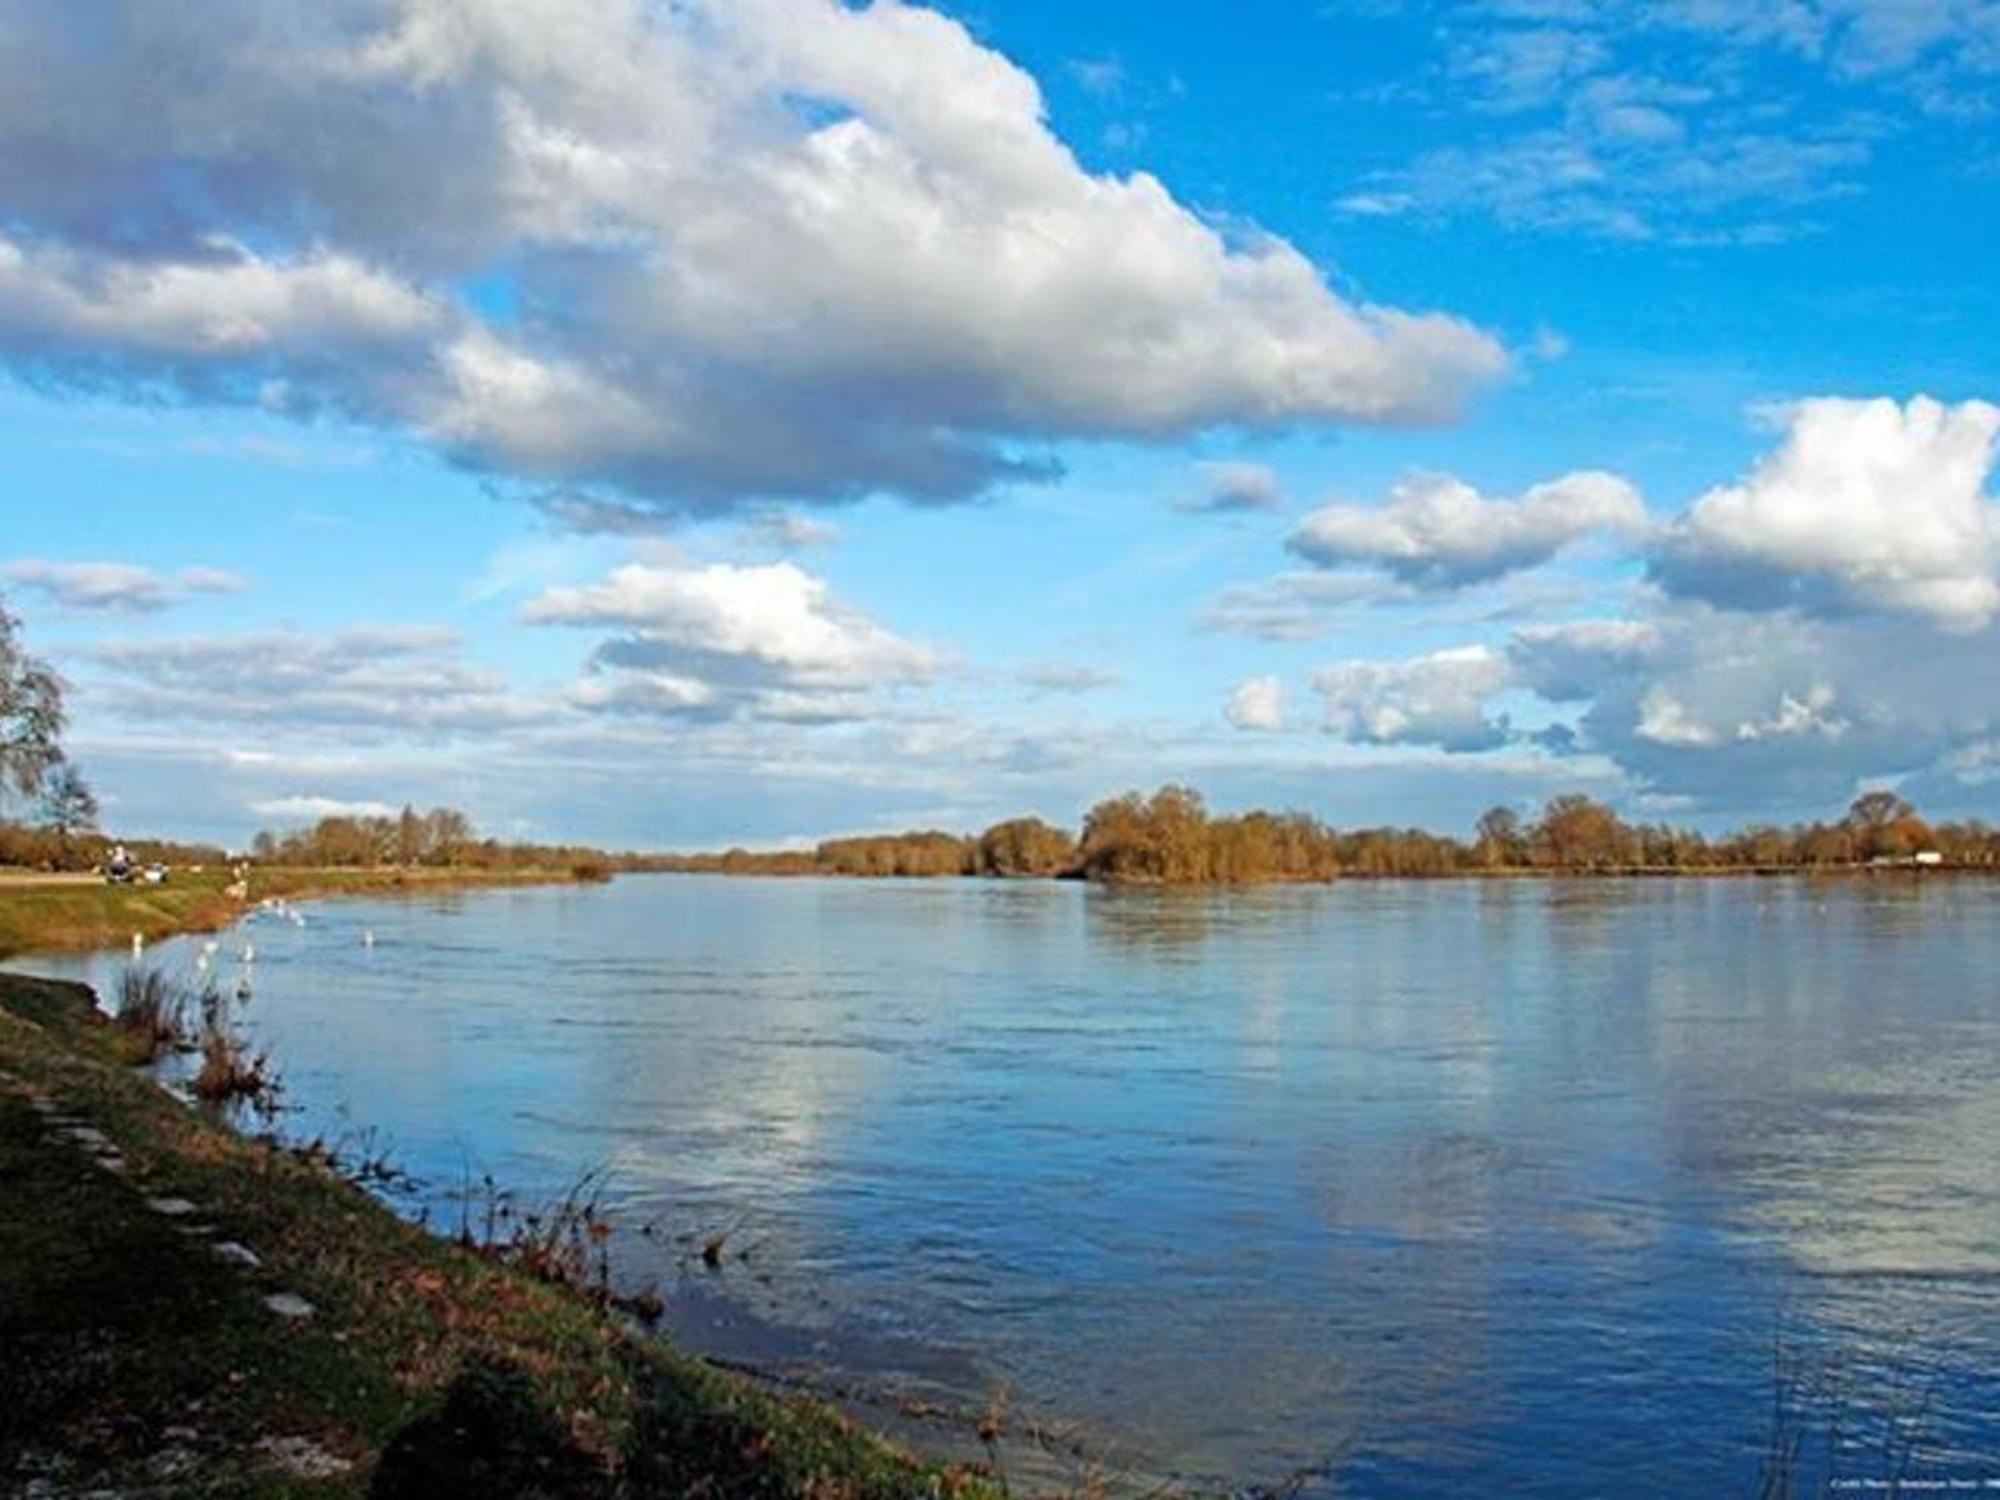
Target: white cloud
{"type": "Point", "coordinates": [211, 581]}
{"type": "Point", "coordinates": [1572, 662]}
{"type": "Point", "coordinates": [1439, 699]}
{"type": "Point", "coordinates": [1068, 677]}
{"type": "Point", "coordinates": [378, 681]}
{"type": "Point", "coordinates": [1859, 38]}
{"type": "Point", "coordinates": [115, 587]}
{"type": "Point", "coordinates": [303, 808]}
{"type": "Point", "coordinates": [1831, 618]}
{"type": "Point", "coordinates": [1758, 712]}
{"type": "Point", "coordinates": [777, 615]}
{"type": "Point", "coordinates": [1257, 704]}
{"type": "Point", "coordinates": [1298, 606]}
{"type": "Point", "coordinates": [1236, 487]}
{"type": "Point", "coordinates": [1779, 709]}
{"type": "Point", "coordinates": [228, 308]}
{"type": "Point", "coordinates": [717, 639]}
{"type": "Point", "coordinates": [1664, 720]}
{"type": "Point", "coordinates": [1438, 532]}
{"type": "Point", "coordinates": [1677, 120]}
{"type": "Point", "coordinates": [1865, 505]}
{"type": "Point", "coordinates": [765, 249]}
{"type": "Point", "coordinates": [793, 532]}
{"type": "Point", "coordinates": [1103, 76]}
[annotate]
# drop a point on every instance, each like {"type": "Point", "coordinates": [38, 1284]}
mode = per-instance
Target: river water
{"type": "Point", "coordinates": [1508, 1187]}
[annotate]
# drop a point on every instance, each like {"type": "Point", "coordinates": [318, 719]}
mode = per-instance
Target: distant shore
{"type": "Point", "coordinates": [784, 868]}
{"type": "Point", "coordinates": [68, 913]}
{"type": "Point", "coordinates": [1171, 838]}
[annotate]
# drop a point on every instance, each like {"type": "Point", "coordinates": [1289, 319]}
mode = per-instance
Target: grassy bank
{"type": "Point", "coordinates": [64, 915]}
{"type": "Point", "coordinates": [139, 1249]}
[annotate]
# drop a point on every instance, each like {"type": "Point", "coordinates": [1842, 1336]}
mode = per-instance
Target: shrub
{"type": "Point", "coordinates": [228, 1070]}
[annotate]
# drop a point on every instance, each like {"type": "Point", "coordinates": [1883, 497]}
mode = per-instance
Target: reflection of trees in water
{"type": "Point", "coordinates": [1028, 906]}
{"type": "Point", "coordinates": [1583, 910]}
{"type": "Point", "coordinates": [1177, 918]}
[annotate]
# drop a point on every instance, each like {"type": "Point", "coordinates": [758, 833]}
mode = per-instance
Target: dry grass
{"type": "Point", "coordinates": [152, 1013]}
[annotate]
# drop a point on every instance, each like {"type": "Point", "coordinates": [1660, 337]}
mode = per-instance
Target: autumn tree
{"type": "Point", "coordinates": [1873, 811]}
{"type": "Point", "coordinates": [448, 833]}
{"type": "Point", "coordinates": [1499, 838]}
{"type": "Point", "coordinates": [1025, 846]}
{"type": "Point", "coordinates": [1886, 827]}
{"type": "Point", "coordinates": [1164, 837]}
{"type": "Point", "coordinates": [409, 837]}
{"type": "Point", "coordinates": [1576, 832]}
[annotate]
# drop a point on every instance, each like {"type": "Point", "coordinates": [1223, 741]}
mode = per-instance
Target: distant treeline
{"type": "Point", "coordinates": [443, 838]}
{"type": "Point", "coordinates": [1171, 837]}
{"type": "Point", "coordinates": [46, 848]}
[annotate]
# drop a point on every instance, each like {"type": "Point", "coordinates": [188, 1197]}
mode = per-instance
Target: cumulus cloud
{"type": "Point", "coordinates": [1574, 661]}
{"type": "Point", "coordinates": [1752, 711]}
{"type": "Point", "coordinates": [1439, 532]}
{"type": "Point", "coordinates": [115, 587]}
{"type": "Point", "coordinates": [1736, 708]}
{"type": "Point", "coordinates": [764, 249]}
{"type": "Point", "coordinates": [1864, 505]}
{"type": "Point", "coordinates": [1440, 699]}
{"type": "Point", "coordinates": [1233, 488]}
{"type": "Point", "coordinates": [718, 640]}
{"type": "Point", "coordinates": [228, 314]}
{"type": "Point", "coordinates": [1257, 704]}
{"type": "Point", "coordinates": [1832, 617]}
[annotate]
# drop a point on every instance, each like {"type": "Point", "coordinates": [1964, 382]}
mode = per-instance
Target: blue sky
{"type": "Point", "coordinates": [683, 426]}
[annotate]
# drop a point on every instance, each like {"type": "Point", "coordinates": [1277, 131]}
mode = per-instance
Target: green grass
{"type": "Point", "coordinates": [129, 1346]}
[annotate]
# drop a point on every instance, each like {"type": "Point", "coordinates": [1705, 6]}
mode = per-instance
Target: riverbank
{"type": "Point", "coordinates": [62, 914]}
{"type": "Point", "coordinates": [191, 1311]}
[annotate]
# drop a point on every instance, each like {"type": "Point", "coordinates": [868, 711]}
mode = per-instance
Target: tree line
{"type": "Point", "coordinates": [442, 838]}
{"type": "Point", "coordinates": [1170, 837]}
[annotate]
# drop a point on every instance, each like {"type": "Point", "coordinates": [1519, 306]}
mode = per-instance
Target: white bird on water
{"type": "Point", "coordinates": [138, 943]}
{"type": "Point", "coordinates": [249, 953]}
{"type": "Point", "coordinates": [368, 938]}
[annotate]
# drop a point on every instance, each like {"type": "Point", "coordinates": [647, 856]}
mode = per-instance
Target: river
{"type": "Point", "coordinates": [1552, 1187]}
